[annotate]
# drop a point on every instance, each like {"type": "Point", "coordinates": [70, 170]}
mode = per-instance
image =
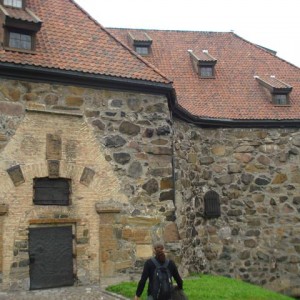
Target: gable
{"type": "Point", "coordinates": [70, 40]}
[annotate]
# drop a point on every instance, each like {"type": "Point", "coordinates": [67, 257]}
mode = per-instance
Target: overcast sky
{"type": "Point", "coordinates": [274, 24]}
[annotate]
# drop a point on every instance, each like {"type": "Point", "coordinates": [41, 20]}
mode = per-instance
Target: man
{"type": "Point", "coordinates": [149, 268]}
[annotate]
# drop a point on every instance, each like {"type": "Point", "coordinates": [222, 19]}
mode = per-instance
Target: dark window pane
{"type": "Point", "coordinates": [20, 40]}
{"type": "Point", "coordinates": [212, 207]}
{"type": "Point", "coordinates": [280, 99]}
{"type": "Point", "coordinates": [206, 71]}
{"type": "Point", "coordinates": [48, 191]}
{"type": "Point", "coordinates": [142, 50]}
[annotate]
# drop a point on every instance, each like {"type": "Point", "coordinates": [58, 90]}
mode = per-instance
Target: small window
{"type": "Point", "coordinates": [50, 191]}
{"type": "Point", "coordinates": [19, 40]}
{"type": "Point", "coordinates": [280, 99]}
{"type": "Point", "coordinates": [14, 3]}
{"type": "Point", "coordinates": [206, 71]}
{"type": "Point", "coordinates": [142, 50]}
{"type": "Point", "coordinates": [212, 207]}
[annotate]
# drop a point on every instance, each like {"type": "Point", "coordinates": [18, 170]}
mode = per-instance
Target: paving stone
{"type": "Point", "coordinates": [64, 293]}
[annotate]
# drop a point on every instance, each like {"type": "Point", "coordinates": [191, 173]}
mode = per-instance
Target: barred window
{"type": "Point", "coordinates": [212, 208]}
{"type": "Point", "coordinates": [51, 191]}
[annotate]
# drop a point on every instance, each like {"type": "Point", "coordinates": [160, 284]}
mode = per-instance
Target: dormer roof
{"type": "Point", "coordinates": [20, 14]}
{"type": "Point", "coordinates": [140, 38]}
{"type": "Point", "coordinates": [274, 85]}
{"type": "Point", "coordinates": [203, 56]}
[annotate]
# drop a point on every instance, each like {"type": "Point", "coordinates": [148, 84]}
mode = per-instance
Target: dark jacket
{"type": "Point", "coordinates": [148, 271]}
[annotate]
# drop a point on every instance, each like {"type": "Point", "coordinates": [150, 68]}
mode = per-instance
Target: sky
{"type": "Point", "coordinates": [274, 24]}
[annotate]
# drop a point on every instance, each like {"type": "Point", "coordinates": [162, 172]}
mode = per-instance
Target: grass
{"type": "Point", "coordinates": [209, 287]}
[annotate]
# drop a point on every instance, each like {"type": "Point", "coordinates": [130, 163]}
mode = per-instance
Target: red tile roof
{"type": "Point", "coordinates": [234, 93]}
{"type": "Point", "coordinates": [71, 40]}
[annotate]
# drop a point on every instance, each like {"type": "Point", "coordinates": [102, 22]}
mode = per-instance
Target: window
{"type": "Point", "coordinates": [203, 63]}
{"type": "Point", "coordinates": [279, 90]}
{"type": "Point", "coordinates": [140, 41]}
{"type": "Point", "coordinates": [50, 191]}
{"type": "Point", "coordinates": [20, 40]}
{"type": "Point", "coordinates": [13, 3]}
{"type": "Point", "coordinates": [206, 71]}
{"type": "Point", "coordinates": [212, 207]}
{"type": "Point", "coordinates": [142, 50]}
{"type": "Point", "coordinates": [280, 99]}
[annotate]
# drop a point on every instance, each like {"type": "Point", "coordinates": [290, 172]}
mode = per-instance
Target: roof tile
{"type": "Point", "coordinates": [71, 40]}
{"type": "Point", "coordinates": [233, 93]}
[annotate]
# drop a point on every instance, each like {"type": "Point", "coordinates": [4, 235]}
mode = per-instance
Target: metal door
{"type": "Point", "coordinates": [51, 257]}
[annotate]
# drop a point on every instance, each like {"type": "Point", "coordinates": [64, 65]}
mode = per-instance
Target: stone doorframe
{"type": "Point", "coordinates": [3, 212]}
{"type": "Point", "coordinates": [108, 212]}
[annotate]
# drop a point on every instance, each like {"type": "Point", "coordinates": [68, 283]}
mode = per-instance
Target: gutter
{"type": "Point", "coordinates": [40, 74]}
{"type": "Point", "coordinates": [181, 113]}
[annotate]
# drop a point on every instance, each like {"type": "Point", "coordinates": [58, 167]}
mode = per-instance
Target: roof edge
{"type": "Point", "coordinates": [40, 74]}
{"type": "Point", "coordinates": [183, 114]}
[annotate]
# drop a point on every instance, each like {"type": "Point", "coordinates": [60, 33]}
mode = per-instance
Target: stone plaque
{"type": "Point", "coordinates": [87, 176]}
{"type": "Point", "coordinates": [71, 149]}
{"type": "Point", "coordinates": [29, 145]}
{"type": "Point", "coordinates": [16, 175]}
{"type": "Point", "coordinates": [53, 168]}
{"type": "Point", "coordinates": [53, 146]}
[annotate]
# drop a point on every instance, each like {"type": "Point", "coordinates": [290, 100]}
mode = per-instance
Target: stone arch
{"type": "Point", "coordinates": [67, 142]}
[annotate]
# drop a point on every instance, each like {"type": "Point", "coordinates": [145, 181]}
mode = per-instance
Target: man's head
{"type": "Point", "coordinates": [159, 251]}
{"type": "Point", "coordinates": [158, 246]}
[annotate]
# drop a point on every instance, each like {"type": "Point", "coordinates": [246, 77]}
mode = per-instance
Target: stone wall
{"type": "Point", "coordinates": [256, 173]}
{"type": "Point", "coordinates": [115, 147]}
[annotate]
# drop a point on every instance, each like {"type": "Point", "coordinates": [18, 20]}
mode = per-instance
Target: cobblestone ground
{"type": "Point", "coordinates": [66, 293]}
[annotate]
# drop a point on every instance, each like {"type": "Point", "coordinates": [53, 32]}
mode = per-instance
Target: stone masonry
{"type": "Point", "coordinates": [119, 149]}
{"type": "Point", "coordinates": [257, 176]}
{"type": "Point", "coordinates": [115, 147]}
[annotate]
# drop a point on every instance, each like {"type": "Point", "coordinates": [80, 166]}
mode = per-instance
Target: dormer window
{"type": "Point", "coordinates": [20, 26]}
{"type": "Point", "coordinates": [18, 40]}
{"type": "Point", "coordinates": [203, 63]}
{"type": "Point", "coordinates": [206, 71]}
{"type": "Point", "coordinates": [280, 99]}
{"type": "Point", "coordinates": [142, 50]}
{"type": "Point", "coordinates": [13, 3]}
{"type": "Point", "coordinates": [141, 42]}
{"type": "Point", "coordinates": [278, 89]}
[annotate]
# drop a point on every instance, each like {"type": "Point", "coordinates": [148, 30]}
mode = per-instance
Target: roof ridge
{"type": "Point", "coordinates": [156, 70]}
{"type": "Point", "coordinates": [172, 30]}
{"type": "Point", "coordinates": [264, 50]}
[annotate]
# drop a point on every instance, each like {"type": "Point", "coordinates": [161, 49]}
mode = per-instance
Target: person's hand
{"type": "Point", "coordinates": [136, 298]}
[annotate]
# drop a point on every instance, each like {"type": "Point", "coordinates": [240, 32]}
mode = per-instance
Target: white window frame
{"type": "Point", "coordinates": [14, 3]}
